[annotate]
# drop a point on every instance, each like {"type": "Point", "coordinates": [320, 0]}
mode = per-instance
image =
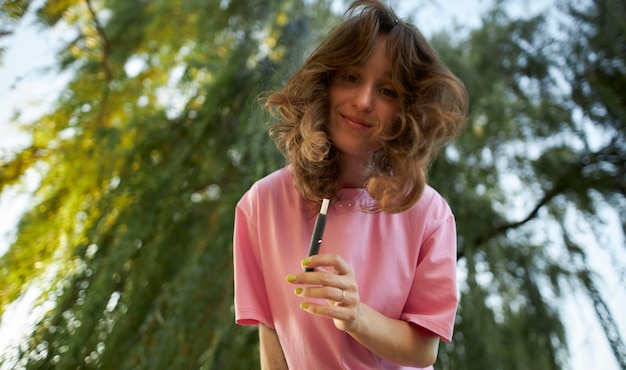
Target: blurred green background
{"type": "Point", "coordinates": [133, 170]}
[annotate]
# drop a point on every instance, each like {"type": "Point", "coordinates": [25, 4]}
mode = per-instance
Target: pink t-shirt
{"type": "Point", "coordinates": [405, 266]}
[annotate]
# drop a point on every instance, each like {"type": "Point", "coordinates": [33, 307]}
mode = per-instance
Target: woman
{"type": "Point", "coordinates": [358, 123]}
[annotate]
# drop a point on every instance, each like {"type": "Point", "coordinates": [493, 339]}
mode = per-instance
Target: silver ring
{"type": "Point", "coordinates": [343, 296]}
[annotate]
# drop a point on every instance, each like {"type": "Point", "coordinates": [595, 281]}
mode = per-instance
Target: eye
{"type": "Point", "coordinates": [389, 93]}
{"type": "Point", "coordinates": [350, 78]}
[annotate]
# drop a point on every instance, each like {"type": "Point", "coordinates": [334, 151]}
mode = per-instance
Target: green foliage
{"type": "Point", "coordinates": [159, 133]}
{"type": "Point", "coordinates": [141, 172]}
{"type": "Point", "coordinates": [523, 141]}
{"type": "Point", "coordinates": [14, 9]}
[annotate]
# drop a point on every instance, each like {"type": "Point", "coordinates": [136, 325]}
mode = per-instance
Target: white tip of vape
{"type": "Point", "coordinates": [325, 204]}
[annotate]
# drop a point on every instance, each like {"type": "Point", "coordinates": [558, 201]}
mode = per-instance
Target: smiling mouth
{"type": "Point", "coordinates": [356, 121]}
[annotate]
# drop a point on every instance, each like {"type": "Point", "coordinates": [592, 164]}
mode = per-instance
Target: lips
{"type": "Point", "coordinates": [356, 122]}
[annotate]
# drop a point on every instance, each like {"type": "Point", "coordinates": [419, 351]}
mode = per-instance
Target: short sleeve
{"type": "Point", "coordinates": [433, 298]}
{"type": "Point", "coordinates": [251, 303]}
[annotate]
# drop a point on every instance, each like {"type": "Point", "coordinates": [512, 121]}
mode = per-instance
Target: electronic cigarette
{"type": "Point", "coordinates": [318, 231]}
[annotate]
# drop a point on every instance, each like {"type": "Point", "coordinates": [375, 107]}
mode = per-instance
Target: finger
{"type": "Point", "coordinates": [320, 278]}
{"type": "Point", "coordinates": [342, 299]}
{"type": "Point", "coordinates": [330, 311]}
{"type": "Point", "coordinates": [332, 294]}
{"type": "Point", "coordinates": [334, 261]}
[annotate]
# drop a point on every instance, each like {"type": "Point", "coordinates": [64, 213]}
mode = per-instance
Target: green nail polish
{"type": "Point", "coordinates": [298, 291]}
{"type": "Point", "coordinates": [304, 305]}
{"type": "Point", "coordinates": [306, 261]}
{"type": "Point", "coordinates": [290, 278]}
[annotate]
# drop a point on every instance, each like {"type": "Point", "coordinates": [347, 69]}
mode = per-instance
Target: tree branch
{"type": "Point", "coordinates": [106, 50]}
{"type": "Point", "coordinates": [105, 61]}
{"type": "Point", "coordinates": [558, 189]}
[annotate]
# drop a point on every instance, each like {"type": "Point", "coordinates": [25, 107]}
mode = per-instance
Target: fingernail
{"type": "Point", "coordinates": [306, 261]}
{"type": "Point", "coordinates": [298, 291]}
{"type": "Point", "coordinates": [304, 305]}
{"type": "Point", "coordinates": [290, 278]}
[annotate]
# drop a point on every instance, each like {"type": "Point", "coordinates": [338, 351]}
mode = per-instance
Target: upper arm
{"type": "Point", "coordinates": [429, 343]}
{"type": "Point", "coordinates": [271, 352]}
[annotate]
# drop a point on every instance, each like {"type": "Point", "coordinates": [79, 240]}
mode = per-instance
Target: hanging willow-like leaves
{"type": "Point", "coordinates": [144, 156]}
{"type": "Point", "coordinates": [159, 133]}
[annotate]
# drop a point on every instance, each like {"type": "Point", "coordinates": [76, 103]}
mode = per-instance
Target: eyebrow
{"type": "Point", "coordinates": [359, 67]}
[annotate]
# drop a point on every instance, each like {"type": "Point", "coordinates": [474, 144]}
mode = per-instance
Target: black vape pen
{"type": "Point", "coordinates": [318, 231]}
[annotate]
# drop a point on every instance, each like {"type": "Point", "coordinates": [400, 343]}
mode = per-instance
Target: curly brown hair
{"type": "Point", "coordinates": [433, 109]}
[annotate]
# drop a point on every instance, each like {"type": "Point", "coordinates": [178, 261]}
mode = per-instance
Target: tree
{"type": "Point", "coordinates": [526, 140]}
{"type": "Point", "coordinates": [142, 160]}
{"type": "Point", "coordinates": [596, 68]}
{"type": "Point", "coordinates": [158, 134]}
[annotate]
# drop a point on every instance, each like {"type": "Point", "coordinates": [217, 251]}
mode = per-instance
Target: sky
{"type": "Point", "coordinates": [27, 84]}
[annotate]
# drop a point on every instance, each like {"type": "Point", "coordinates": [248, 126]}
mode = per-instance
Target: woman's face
{"type": "Point", "coordinates": [363, 103]}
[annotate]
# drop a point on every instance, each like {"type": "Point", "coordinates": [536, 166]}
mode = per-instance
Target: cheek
{"type": "Point", "coordinates": [391, 124]}
{"type": "Point", "coordinates": [390, 116]}
{"type": "Point", "coordinates": [332, 94]}
{"type": "Point", "coordinates": [389, 110]}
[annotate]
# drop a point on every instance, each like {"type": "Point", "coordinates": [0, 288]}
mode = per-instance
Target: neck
{"type": "Point", "coordinates": [355, 170]}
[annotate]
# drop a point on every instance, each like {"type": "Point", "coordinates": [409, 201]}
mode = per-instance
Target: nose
{"type": "Point", "coordinates": [364, 98]}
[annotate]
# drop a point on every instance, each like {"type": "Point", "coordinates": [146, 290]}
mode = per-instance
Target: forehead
{"type": "Point", "coordinates": [379, 52]}
{"type": "Point", "coordinates": [379, 58]}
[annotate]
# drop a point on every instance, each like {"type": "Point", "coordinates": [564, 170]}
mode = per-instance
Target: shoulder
{"type": "Point", "coordinates": [432, 207]}
{"type": "Point", "coordinates": [433, 201]}
{"type": "Point", "coordinates": [272, 190]}
{"type": "Point", "coordinates": [277, 182]}
{"type": "Point", "coordinates": [278, 177]}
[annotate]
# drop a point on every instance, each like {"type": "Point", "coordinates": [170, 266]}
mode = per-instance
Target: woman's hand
{"type": "Point", "coordinates": [394, 340]}
{"type": "Point", "coordinates": [334, 281]}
